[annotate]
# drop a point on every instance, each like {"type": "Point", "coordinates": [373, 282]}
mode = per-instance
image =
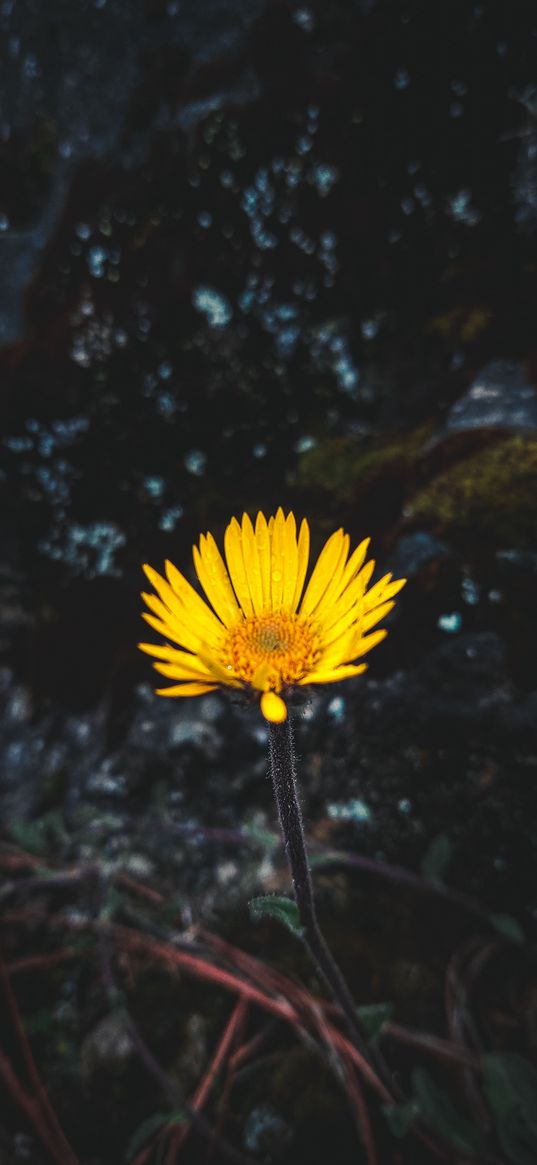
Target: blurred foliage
{"type": "Point", "coordinates": [491, 492]}
{"type": "Point", "coordinates": [510, 1085]}
{"type": "Point", "coordinates": [342, 468]}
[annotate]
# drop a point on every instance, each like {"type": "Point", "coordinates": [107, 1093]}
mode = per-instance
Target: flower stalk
{"type": "Point", "coordinates": [284, 783]}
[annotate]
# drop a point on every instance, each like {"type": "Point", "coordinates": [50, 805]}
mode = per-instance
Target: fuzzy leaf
{"type": "Point", "coordinates": [373, 1016]}
{"type": "Point", "coordinates": [437, 858]}
{"type": "Point", "coordinates": [145, 1131]}
{"type": "Point", "coordinates": [510, 1084]}
{"type": "Point", "coordinates": [34, 836]}
{"type": "Point", "coordinates": [508, 927]}
{"type": "Point", "coordinates": [439, 1114]}
{"type": "Point", "coordinates": [285, 910]}
{"type": "Point", "coordinates": [401, 1117]}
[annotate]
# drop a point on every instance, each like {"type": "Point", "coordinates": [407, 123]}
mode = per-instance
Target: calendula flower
{"type": "Point", "coordinates": [263, 631]}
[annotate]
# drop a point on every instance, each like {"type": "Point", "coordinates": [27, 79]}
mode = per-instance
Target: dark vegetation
{"type": "Point", "coordinates": [267, 254]}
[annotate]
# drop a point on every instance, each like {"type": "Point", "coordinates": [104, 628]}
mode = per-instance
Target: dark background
{"type": "Point", "coordinates": [256, 254]}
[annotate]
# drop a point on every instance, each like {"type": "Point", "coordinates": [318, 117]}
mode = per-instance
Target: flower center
{"type": "Point", "coordinates": [272, 651]}
{"type": "Point", "coordinates": [270, 637]}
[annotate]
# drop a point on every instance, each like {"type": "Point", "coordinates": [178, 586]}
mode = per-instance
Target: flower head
{"type": "Point", "coordinates": [263, 631]}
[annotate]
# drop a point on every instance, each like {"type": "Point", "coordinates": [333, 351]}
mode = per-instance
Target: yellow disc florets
{"type": "Point", "coordinates": [273, 650]}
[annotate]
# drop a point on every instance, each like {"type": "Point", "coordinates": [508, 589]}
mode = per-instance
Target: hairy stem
{"type": "Point", "coordinates": [283, 773]}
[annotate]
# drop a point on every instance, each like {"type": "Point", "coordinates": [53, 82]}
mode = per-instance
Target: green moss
{"type": "Point", "coordinates": [492, 492]}
{"type": "Point", "coordinates": [342, 466]}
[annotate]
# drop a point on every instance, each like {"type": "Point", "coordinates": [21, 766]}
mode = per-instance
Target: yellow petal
{"type": "Point", "coordinates": [333, 675]}
{"type": "Point", "coordinates": [174, 671]}
{"type": "Point", "coordinates": [194, 615]}
{"type": "Point", "coordinates": [350, 600]}
{"type": "Point", "coordinates": [347, 620]}
{"type": "Point", "coordinates": [351, 646]}
{"type": "Point", "coordinates": [236, 567]}
{"type": "Point", "coordinates": [169, 631]}
{"type": "Point", "coordinates": [375, 616]}
{"type": "Point", "coordinates": [340, 651]}
{"type": "Point", "coordinates": [322, 573]}
{"type": "Point", "coordinates": [224, 675]}
{"type": "Point", "coordinates": [171, 656]}
{"type": "Point", "coordinates": [194, 605]}
{"type": "Point", "coordinates": [252, 564]}
{"type": "Point", "coordinates": [160, 651]}
{"type": "Point", "coordinates": [263, 542]}
{"type": "Point", "coordinates": [164, 590]}
{"type": "Point", "coordinates": [169, 626]}
{"type": "Point", "coordinates": [355, 561]}
{"type": "Point", "coordinates": [368, 642]}
{"type": "Point", "coordinates": [214, 578]}
{"type": "Point", "coordinates": [303, 560]}
{"type": "Point", "coordinates": [334, 586]}
{"type": "Point", "coordinates": [273, 708]}
{"type": "Point", "coordinates": [378, 594]}
{"type": "Point", "coordinates": [290, 554]}
{"type": "Point", "coordinates": [354, 621]}
{"type": "Point", "coordinates": [156, 606]}
{"type": "Point", "coordinates": [277, 561]}
{"type": "Point", "coordinates": [375, 593]}
{"type": "Point", "coordinates": [260, 678]}
{"type": "Point", "coordinates": [185, 690]}
{"type": "Point", "coordinates": [361, 581]}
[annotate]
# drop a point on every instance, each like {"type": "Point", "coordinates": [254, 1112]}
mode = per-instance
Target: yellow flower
{"type": "Point", "coordinates": [262, 630]}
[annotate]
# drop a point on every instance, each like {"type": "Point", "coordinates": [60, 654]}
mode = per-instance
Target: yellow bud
{"type": "Point", "coordinates": [273, 708]}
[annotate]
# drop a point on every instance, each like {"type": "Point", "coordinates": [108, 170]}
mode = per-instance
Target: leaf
{"type": "Point", "coordinates": [39, 835]}
{"type": "Point", "coordinates": [285, 910]}
{"type": "Point", "coordinates": [510, 1084]}
{"type": "Point", "coordinates": [517, 1140]}
{"type": "Point", "coordinates": [510, 1080]}
{"type": "Point", "coordinates": [437, 858]}
{"type": "Point", "coordinates": [439, 1114]}
{"type": "Point", "coordinates": [151, 1125]}
{"type": "Point", "coordinates": [373, 1016]}
{"type": "Point", "coordinates": [29, 835]}
{"type": "Point", "coordinates": [508, 927]}
{"type": "Point", "coordinates": [319, 861]}
{"type": "Point", "coordinates": [266, 839]}
{"type": "Point", "coordinates": [401, 1117]}
{"type": "Point", "coordinates": [113, 900]}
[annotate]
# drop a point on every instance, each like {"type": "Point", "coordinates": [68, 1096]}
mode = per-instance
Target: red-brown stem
{"type": "Point", "coordinates": [43, 962]}
{"type": "Point", "coordinates": [202, 968]}
{"type": "Point", "coordinates": [199, 1099]}
{"type": "Point", "coordinates": [43, 1116]}
{"type": "Point", "coordinates": [30, 1107]}
{"type": "Point", "coordinates": [356, 1093]}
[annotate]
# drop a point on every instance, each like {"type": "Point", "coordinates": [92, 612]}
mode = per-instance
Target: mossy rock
{"type": "Point", "coordinates": [344, 466]}
{"type": "Point", "coordinates": [490, 494]}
